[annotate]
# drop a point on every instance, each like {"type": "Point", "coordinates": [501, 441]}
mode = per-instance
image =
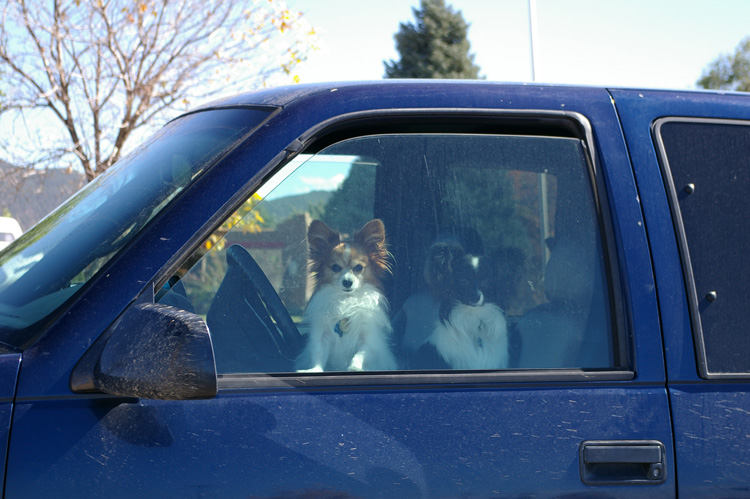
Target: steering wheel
{"type": "Point", "coordinates": [245, 303]}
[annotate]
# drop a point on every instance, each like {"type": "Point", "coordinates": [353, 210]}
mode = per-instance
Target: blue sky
{"type": "Point", "coordinates": [641, 43]}
{"type": "Point", "coordinates": [634, 43]}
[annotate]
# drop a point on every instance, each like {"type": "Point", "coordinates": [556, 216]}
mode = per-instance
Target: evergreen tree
{"type": "Point", "coordinates": [435, 47]}
{"type": "Point", "coordinates": [729, 72]}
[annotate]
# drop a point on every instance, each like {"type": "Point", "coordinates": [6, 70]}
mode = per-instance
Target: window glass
{"type": "Point", "coordinates": [50, 262]}
{"type": "Point", "coordinates": [410, 252]}
{"type": "Point", "coordinates": [710, 170]}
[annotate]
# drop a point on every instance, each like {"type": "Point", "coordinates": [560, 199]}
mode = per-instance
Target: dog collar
{"type": "Point", "coordinates": [341, 327]}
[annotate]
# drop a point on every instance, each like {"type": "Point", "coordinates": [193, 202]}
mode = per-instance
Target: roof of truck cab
{"type": "Point", "coordinates": [285, 95]}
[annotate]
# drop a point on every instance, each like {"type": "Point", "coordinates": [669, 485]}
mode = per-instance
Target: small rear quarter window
{"type": "Point", "coordinates": [708, 165]}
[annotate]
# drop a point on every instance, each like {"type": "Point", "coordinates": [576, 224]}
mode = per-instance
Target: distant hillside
{"type": "Point", "coordinates": [278, 210]}
{"type": "Point", "coordinates": [29, 195]}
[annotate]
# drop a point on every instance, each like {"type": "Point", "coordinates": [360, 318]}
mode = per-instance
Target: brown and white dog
{"type": "Point", "coordinates": [348, 313]}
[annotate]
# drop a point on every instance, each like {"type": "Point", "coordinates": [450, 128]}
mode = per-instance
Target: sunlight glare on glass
{"type": "Point", "coordinates": [320, 173]}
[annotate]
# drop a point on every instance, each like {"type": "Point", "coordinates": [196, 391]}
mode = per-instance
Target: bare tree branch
{"type": "Point", "coordinates": [105, 69]}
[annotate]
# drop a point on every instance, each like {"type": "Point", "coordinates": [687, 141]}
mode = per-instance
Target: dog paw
{"type": "Point", "coordinates": [315, 369]}
{"type": "Point", "coordinates": [357, 362]}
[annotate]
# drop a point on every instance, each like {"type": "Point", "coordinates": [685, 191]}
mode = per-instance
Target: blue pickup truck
{"type": "Point", "coordinates": [151, 327]}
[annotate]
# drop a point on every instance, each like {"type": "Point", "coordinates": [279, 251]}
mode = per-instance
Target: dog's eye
{"type": "Point", "coordinates": [336, 268]}
{"type": "Point", "coordinates": [358, 268]}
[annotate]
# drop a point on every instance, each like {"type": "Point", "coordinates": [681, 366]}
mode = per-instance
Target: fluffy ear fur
{"type": "Point", "coordinates": [438, 271]}
{"type": "Point", "coordinates": [372, 238]}
{"type": "Point", "coordinates": [322, 240]}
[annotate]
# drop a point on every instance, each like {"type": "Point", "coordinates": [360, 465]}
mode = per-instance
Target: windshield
{"type": "Point", "coordinates": [50, 262]}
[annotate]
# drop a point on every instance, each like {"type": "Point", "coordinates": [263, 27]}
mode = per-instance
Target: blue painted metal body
{"type": "Point", "coordinates": [9, 364]}
{"type": "Point", "coordinates": [711, 422]}
{"type": "Point", "coordinates": [420, 440]}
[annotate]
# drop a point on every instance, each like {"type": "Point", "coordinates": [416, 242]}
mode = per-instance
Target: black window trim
{"type": "Point", "coordinates": [432, 379]}
{"type": "Point", "coordinates": [682, 243]}
{"type": "Point", "coordinates": [526, 122]}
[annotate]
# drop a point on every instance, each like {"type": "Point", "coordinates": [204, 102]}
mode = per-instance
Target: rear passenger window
{"type": "Point", "coordinates": [411, 252]}
{"type": "Point", "coordinates": [708, 166]}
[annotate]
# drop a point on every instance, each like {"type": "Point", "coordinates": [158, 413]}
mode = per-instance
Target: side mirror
{"type": "Point", "coordinates": [153, 351]}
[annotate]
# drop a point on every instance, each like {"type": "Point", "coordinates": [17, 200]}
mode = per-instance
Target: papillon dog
{"type": "Point", "coordinates": [469, 332]}
{"type": "Point", "coordinates": [350, 328]}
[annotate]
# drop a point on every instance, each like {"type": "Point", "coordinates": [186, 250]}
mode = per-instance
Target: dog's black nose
{"type": "Point", "coordinates": [347, 283]}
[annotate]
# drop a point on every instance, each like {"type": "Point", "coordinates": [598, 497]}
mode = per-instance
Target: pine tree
{"type": "Point", "coordinates": [729, 71]}
{"type": "Point", "coordinates": [435, 47]}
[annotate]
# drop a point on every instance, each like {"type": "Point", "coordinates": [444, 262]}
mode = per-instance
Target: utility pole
{"type": "Point", "coordinates": [543, 189]}
{"type": "Point", "coordinates": [532, 35]}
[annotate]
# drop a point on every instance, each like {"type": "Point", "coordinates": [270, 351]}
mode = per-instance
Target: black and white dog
{"type": "Point", "coordinates": [469, 333]}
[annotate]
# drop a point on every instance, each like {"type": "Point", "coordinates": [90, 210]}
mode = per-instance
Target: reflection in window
{"type": "Point", "coordinates": [493, 245]}
{"type": "Point", "coordinates": [52, 261]}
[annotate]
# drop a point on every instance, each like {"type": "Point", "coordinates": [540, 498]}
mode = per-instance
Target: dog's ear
{"type": "Point", "coordinates": [438, 270]}
{"type": "Point", "coordinates": [321, 239]}
{"type": "Point", "coordinates": [437, 266]}
{"type": "Point", "coordinates": [372, 236]}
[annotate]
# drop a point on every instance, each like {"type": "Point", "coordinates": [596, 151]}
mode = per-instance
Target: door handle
{"type": "Point", "coordinates": [618, 462]}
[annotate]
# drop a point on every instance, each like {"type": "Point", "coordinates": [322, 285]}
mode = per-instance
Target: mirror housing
{"type": "Point", "coordinates": [152, 351]}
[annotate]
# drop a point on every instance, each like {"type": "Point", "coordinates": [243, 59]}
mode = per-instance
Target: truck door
{"type": "Point", "coordinates": [540, 209]}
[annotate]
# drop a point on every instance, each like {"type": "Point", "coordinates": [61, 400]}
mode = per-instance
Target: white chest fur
{"type": "Point", "coordinates": [474, 338]}
{"type": "Point", "coordinates": [348, 331]}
